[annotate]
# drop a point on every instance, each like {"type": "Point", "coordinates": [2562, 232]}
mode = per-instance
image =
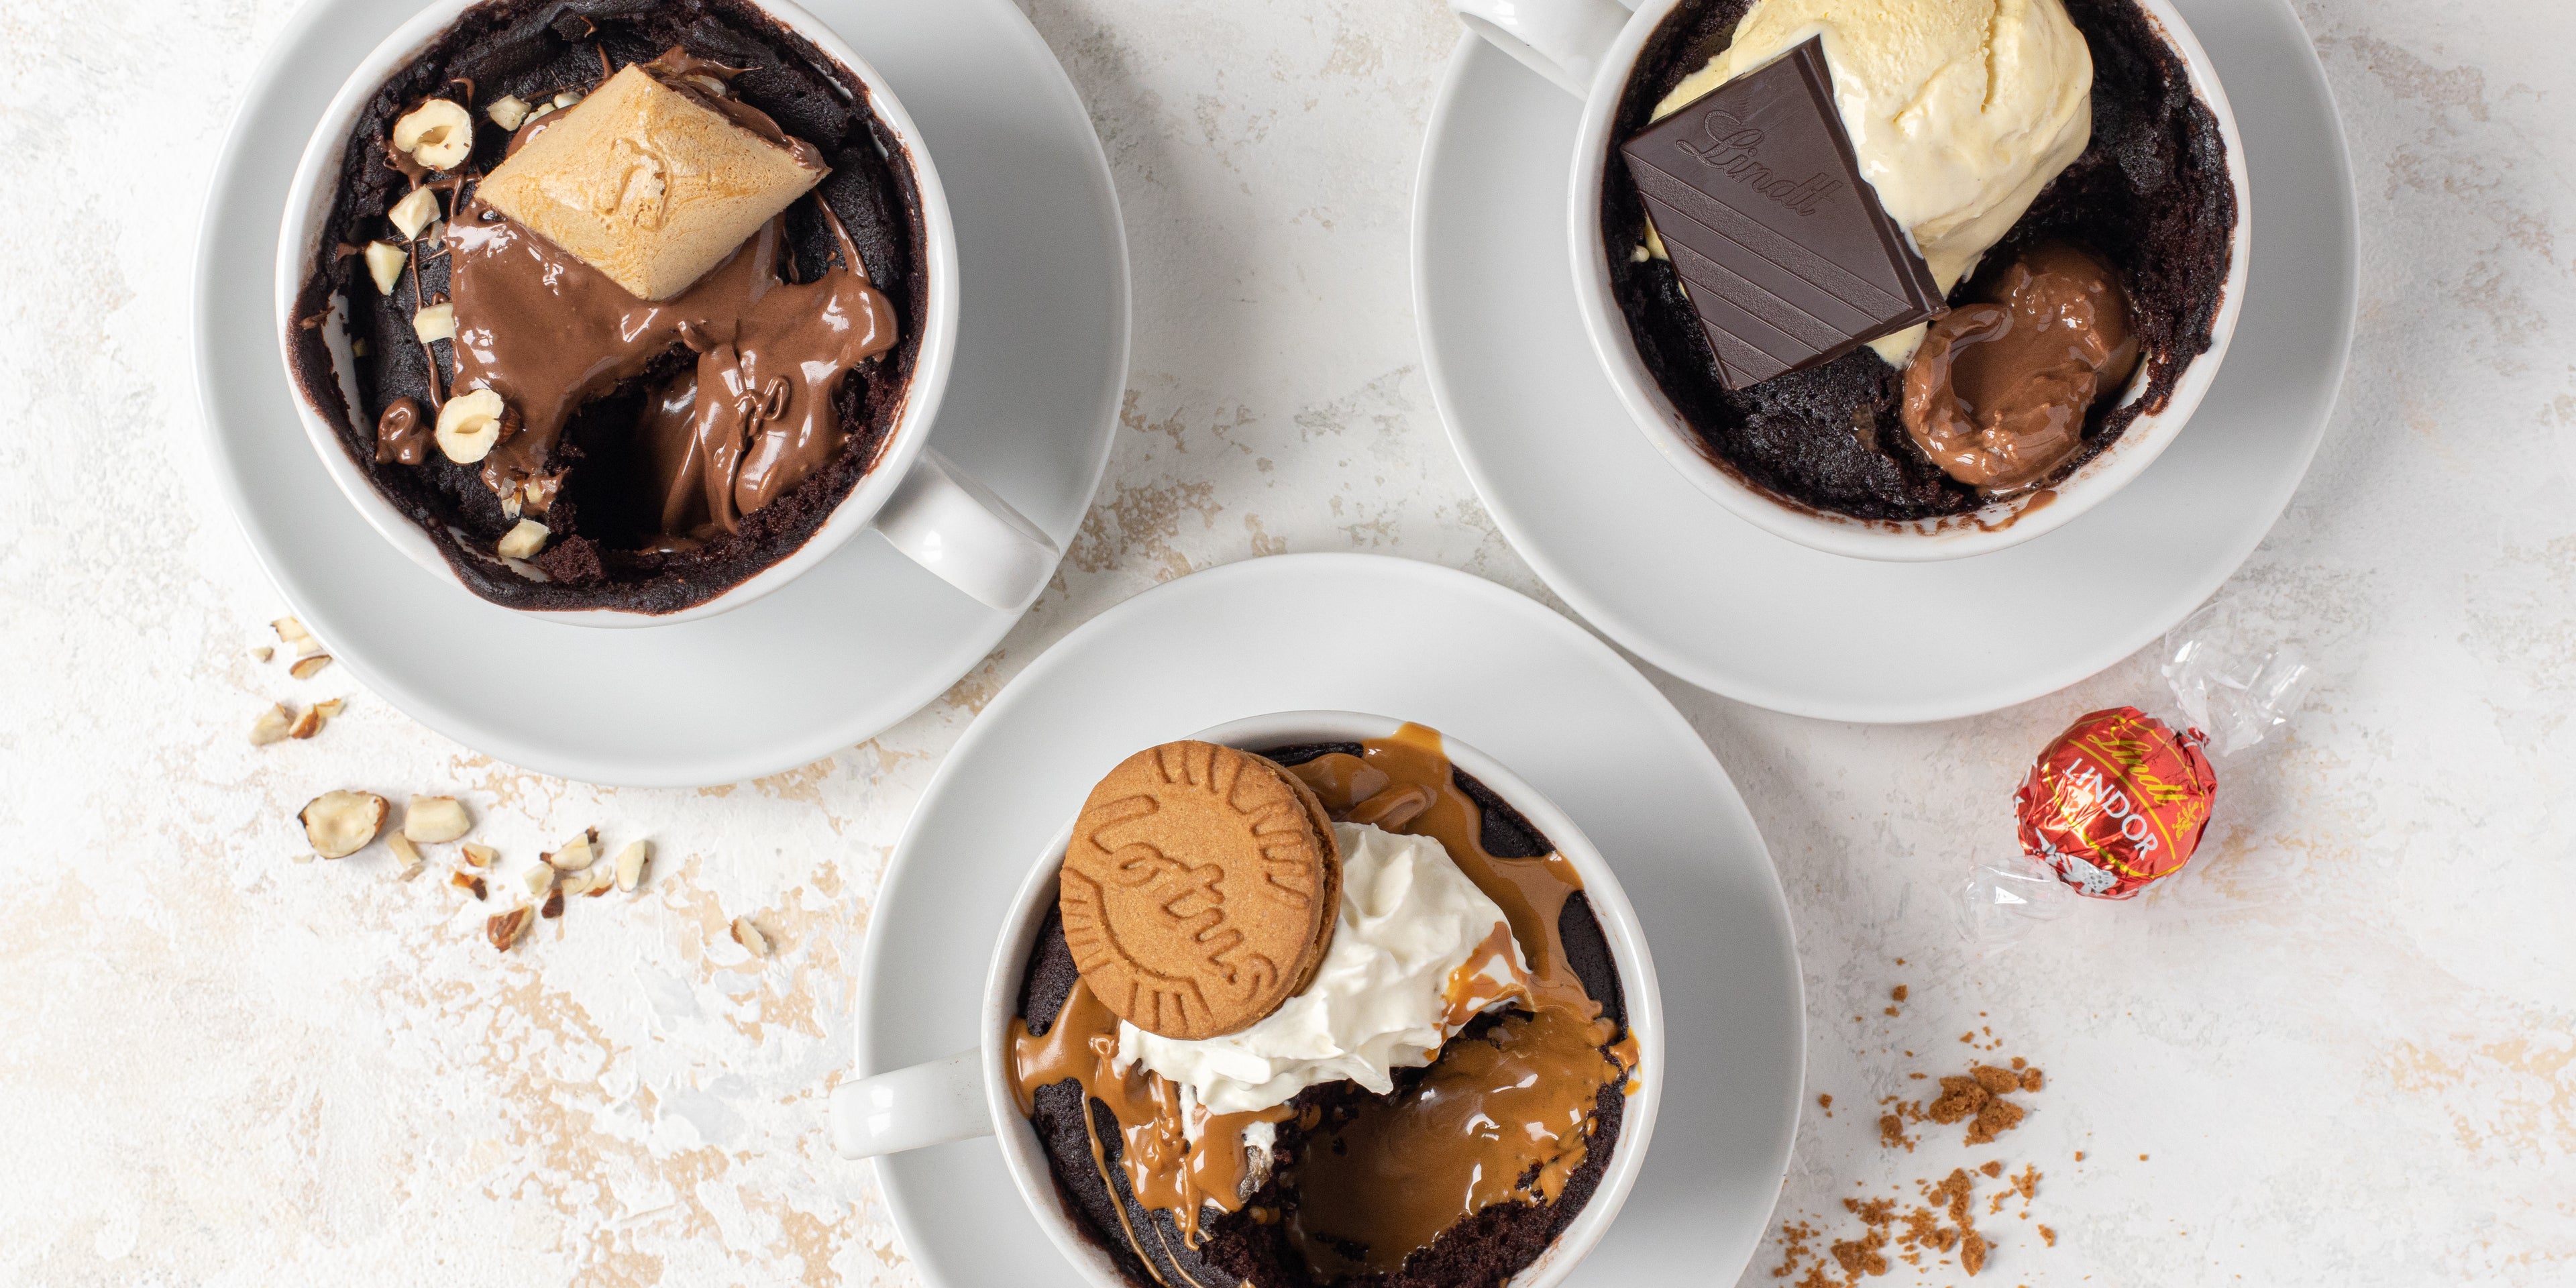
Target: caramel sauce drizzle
{"type": "Point", "coordinates": [1506, 1116]}
{"type": "Point", "coordinates": [1165, 1171]}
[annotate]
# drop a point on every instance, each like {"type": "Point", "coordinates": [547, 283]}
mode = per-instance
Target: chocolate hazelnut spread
{"type": "Point", "coordinates": [1508, 1116]}
{"type": "Point", "coordinates": [753, 416]}
{"type": "Point", "coordinates": [401, 437]}
{"type": "Point", "coordinates": [1999, 390]}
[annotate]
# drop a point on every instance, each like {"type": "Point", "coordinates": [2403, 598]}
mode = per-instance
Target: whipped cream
{"type": "Point", "coordinates": [1960, 111]}
{"type": "Point", "coordinates": [1380, 1001]}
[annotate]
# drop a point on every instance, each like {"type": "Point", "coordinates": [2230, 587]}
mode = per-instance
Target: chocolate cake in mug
{"type": "Point", "coordinates": [634, 290]}
{"type": "Point", "coordinates": [2055, 172]}
{"type": "Point", "coordinates": [1432, 1108]}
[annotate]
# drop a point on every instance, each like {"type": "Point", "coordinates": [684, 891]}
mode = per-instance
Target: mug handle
{"type": "Point", "coordinates": [927, 1104]}
{"type": "Point", "coordinates": [963, 531]}
{"type": "Point", "coordinates": [1562, 40]}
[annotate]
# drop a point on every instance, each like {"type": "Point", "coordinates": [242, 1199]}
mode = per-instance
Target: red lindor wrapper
{"type": "Point", "coordinates": [2117, 803]}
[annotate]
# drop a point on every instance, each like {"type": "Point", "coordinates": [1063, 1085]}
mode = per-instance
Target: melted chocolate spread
{"type": "Point", "coordinates": [654, 511]}
{"type": "Point", "coordinates": [1460, 1175]}
{"type": "Point", "coordinates": [2150, 196]}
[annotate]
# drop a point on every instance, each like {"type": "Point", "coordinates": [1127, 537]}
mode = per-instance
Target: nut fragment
{"type": "Point", "coordinates": [506, 929]}
{"type": "Point", "coordinates": [433, 819]}
{"type": "Point", "coordinates": [263, 653]}
{"type": "Point", "coordinates": [469, 425]}
{"type": "Point", "coordinates": [594, 880]}
{"type": "Point", "coordinates": [510, 113]}
{"type": "Point", "coordinates": [577, 854]}
{"type": "Point", "coordinates": [539, 879]}
{"type": "Point", "coordinates": [308, 667]}
{"type": "Point", "coordinates": [341, 823]}
{"type": "Point", "coordinates": [749, 936]}
{"type": "Point", "coordinates": [331, 707]}
{"type": "Point", "coordinates": [289, 630]}
{"type": "Point", "coordinates": [463, 880]}
{"type": "Point", "coordinates": [307, 646]}
{"type": "Point", "coordinates": [568, 98]}
{"type": "Point", "coordinates": [439, 134]}
{"type": "Point", "coordinates": [385, 265]}
{"type": "Point", "coordinates": [630, 864]}
{"type": "Point", "coordinates": [305, 726]}
{"type": "Point", "coordinates": [554, 906]}
{"type": "Point", "coordinates": [523, 541]}
{"type": "Point", "coordinates": [480, 856]}
{"type": "Point", "coordinates": [414, 212]}
{"type": "Point", "coordinates": [406, 855]}
{"type": "Point", "coordinates": [435, 323]}
{"type": "Point", "coordinates": [272, 726]}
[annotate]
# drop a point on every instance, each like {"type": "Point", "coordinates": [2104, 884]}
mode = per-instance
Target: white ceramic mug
{"type": "Point", "coordinates": [969, 1094]}
{"type": "Point", "coordinates": [930, 509]}
{"type": "Point", "coordinates": [1589, 47]}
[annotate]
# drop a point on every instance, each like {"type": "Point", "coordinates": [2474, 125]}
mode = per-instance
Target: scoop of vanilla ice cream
{"type": "Point", "coordinates": [1409, 919]}
{"type": "Point", "coordinates": [1959, 110]}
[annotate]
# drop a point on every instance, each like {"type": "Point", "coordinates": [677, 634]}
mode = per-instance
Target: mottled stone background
{"type": "Point", "coordinates": [2345, 1056]}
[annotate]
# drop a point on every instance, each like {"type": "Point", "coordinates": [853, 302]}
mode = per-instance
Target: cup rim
{"type": "Point", "coordinates": [314, 189]}
{"type": "Point", "coordinates": [1994, 527]}
{"type": "Point", "coordinates": [1026, 1160]}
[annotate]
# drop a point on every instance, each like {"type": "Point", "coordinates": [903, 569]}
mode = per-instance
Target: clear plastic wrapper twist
{"type": "Point", "coordinates": [2117, 804]}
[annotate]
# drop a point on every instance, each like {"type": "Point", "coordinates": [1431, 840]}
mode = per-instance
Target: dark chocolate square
{"type": "Point", "coordinates": [1786, 254]}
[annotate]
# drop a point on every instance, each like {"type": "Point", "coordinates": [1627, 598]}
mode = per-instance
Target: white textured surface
{"type": "Point", "coordinates": [2349, 1051]}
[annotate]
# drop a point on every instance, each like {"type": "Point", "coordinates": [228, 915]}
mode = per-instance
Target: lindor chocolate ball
{"type": "Point", "coordinates": [2117, 802]}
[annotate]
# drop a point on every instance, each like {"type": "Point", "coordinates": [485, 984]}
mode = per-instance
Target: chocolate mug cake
{"type": "Point", "coordinates": [2044, 167]}
{"type": "Point", "coordinates": [1438, 1094]}
{"type": "Point", "coordinates": [632, 291]}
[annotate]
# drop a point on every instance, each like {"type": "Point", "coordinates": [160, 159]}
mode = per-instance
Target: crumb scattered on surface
{"type": "Point", "coordinates": [1936, 1233]}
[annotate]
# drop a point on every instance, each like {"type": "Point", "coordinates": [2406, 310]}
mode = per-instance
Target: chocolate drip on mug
{"type": "Point", "coordinates": [1169, 1166]}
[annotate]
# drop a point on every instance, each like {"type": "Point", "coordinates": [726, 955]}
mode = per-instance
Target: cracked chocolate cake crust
{"type": "Point", "coordinates": [1238, 1247]}
{"type": "Point", "coordinates": [535, 49]}
{"type": "Point", "coordinates": [2150, 195]}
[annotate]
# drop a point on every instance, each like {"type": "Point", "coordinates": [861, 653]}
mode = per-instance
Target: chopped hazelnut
{"type": "Point", "coordinates": [439, 134]}
{"type": "Point", "coordinates": [523, 541]}
{"type": "Point", "coordinates": [417, 210]}
{"type": "Point", "coordinates": [470, 425]}
{"type": "Point", "coordinates": [385, 265]}
{"type": "Point", "coordinates": [341, 823]}
{"type": "Point", "coordinates": [273, 725]}
{"type": "Point", "coordinates": [433, 819]}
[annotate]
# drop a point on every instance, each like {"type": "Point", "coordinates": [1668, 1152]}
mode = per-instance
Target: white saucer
{"type": "Point", "coordinates": [848, 649]}
{"type": "Point", "coordinates": [1448, 650]}
{"type": "Point", "coordinates": [1645, 556]}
